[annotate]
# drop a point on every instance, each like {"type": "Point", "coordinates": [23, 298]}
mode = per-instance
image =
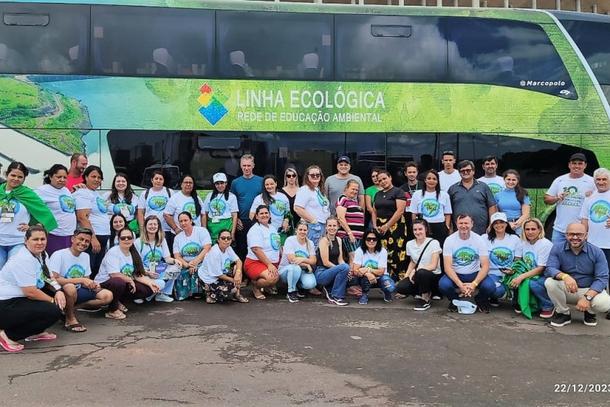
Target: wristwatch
{"type": "Point", "coordinates": [588, 298]}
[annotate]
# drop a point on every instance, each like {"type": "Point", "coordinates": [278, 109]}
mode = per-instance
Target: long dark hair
{"type": "Point", "coordinates": [520, 192]}
{"type": "Point", "coordinates": [52, 171]}
{"type": "Point", "coordinates": [43, 255]}
{"type": "Point", "coordinates": [18, 165]}
{"type": "Point", "coordinates": [438, 182]}
{"type": "Point", "coordinates": [114, 233]}
{"type": "Point", "coordinates": [216, 192]}
{"type": "Point", "coordinates": [378, 245]}
{"type": "Point", "coordinates": [491, 234]}
{"type": "Point", "coordinates": [194, 194]}
{"type": "Point", "coordinates": [114, 195]}
{"type": "Point", "coordinates": [267, 198]}
{"type": "Point", "coordinates": [138, 265]}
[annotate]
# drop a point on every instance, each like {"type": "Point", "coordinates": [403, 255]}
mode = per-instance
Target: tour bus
{"type": "Point", "coordinates": [190, 86]}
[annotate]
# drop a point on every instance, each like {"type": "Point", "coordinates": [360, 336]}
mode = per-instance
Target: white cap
{"type": "Point", "coordinates": [498, 216]}
{"type": "Point", "coordinates": [219, 177]}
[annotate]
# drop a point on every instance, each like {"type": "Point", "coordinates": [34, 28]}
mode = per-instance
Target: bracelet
{"type": "Point", "coordinates": [564, 276]}
{"type": "Point", "coordinates": [475, 284]}
{"type": "Point", "coordinates": [52, 300]}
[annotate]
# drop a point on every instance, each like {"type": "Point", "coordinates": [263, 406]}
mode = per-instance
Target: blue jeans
{"type": "Point", "coordinates": [487, 287]}
{"type": "Point", "coordinates": [8, 251]}
{"type": "Point", "coordinates": [314, 232]}
{"type": "Point", "coordinates": [500, 290]}
{"type": "Point", "coordinates": [293, 274]}
{"type": "Point", "coordinates": [384, 283]}
{"type": "Point", "coordinates": [335, 276]}
{"type": "Point", "coordinates": [559, 237]}
{"type": "Point", "coordinates": [539, 290]}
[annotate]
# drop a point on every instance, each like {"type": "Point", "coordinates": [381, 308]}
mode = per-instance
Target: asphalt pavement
{"type": "Point", "coordinates": [274, 353]}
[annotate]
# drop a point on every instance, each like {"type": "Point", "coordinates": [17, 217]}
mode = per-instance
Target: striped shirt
{"type": "Point", "coordinates": [354, 217]}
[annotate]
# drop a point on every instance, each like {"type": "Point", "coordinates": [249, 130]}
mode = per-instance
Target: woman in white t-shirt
{"type": "Point", "coordinates": [157, 259]}
{"type": "Point", "coordinates": [424, 270]}
{"type": "Point", "coordinates": [278, 203]}
{"type": "Point", "coordinates": [153, 202]}
{"type": "Point", "coordinates": [121, 199]}
{"type": "Point", "coordinates": [191, 246]}
{"type": "Point", "coordinates": [62, 205]}
{"type": "Point", "coordinates": [123, 273]}
{"type": "Point", "coordinates": [187, 200]}
{"type": "Point", "coordinates": [298, 262]}
{"type": "Point", "coordinates": [220, 208]}
{"type": "Point", "coordinates": [263, 253]}
{"type": "Point", "coordinates": [504, 248]}
{"type": "Point", "coordinates": [535, 250]}
{"type": "Point", "coordinates": [91, 214]}
{"type": "Point", "coordinates": [221, 272]}
{"type": "Point", "coordinates": [311, 204]}
{"type": "Point", "coordinates": [434, 206]}
{"type": "Point", "coordinates": [370, 268]}
{"type": "Point", "coordinates": [30, 301]}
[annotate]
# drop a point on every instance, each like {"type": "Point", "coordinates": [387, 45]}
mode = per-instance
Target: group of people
{"type": "Point", "coordinates": [68, 245]}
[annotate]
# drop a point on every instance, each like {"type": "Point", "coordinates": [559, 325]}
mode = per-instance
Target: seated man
{"type": "Point", "coordinates": [578, 274]}
{"type": "Point", "coordinates": [466, 263]}
{"type": "Point", "coordinates": [70, 267]}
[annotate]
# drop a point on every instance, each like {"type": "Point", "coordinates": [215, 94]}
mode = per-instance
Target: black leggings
{"type": "Point", "coordinates": [439, 232]}
{"type": "Point", "coordinates": [425, 281]}
{"type": "Point", "coordinates": [21, 317]}
{"type": "Point", "coordinates": [95, 259]}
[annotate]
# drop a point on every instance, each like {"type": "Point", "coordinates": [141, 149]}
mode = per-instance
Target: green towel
{"type": "Point", "coordinates": [39, 212]}
{"type": "Point", "coordinates": [527, 302]}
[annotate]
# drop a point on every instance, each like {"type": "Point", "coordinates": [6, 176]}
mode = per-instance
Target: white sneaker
{"type": "Point", "coordinates": [138, 301]}
{"type": "Point", "coordinates": [149, 298]}
{"type": "Point", "coordinates": [163, 298]}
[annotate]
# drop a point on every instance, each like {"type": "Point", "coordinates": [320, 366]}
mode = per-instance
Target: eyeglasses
{"type": "Point", "coordinates": [371, 239]}
{"type": "Point", "coordinates": [125, 238]}
{"type": "Point", "coordinates": [575, 234]}
{"type": "Point", "coordinates": [316, 175]}
{"type": "Point", "coordinates": [466, 171]}
{"type": "Point", "coordinates": [291, 175]}
{"type": "Point", "coordinates": [225, 238]}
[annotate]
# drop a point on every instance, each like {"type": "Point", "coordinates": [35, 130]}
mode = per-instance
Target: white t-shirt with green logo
{"type": "Point", "coordinates": [537, 254]}
{"type": "Point", "coordinates": [149, 252]}
{"type": "Point", "coordinates": [278, 209]}
{"type": "Point", "coordinates": [155, 204]}
{"type": "Point", "coordinates": [115, 262]}
{"type": "Point", "coordinates": [502, 252]}
{"type": "Point", "coordinates": [67, 265]}
{"type": "Point", "coordinates": [216, 263]}
{"type": "Point", "coordinates": [219, 207]}
{"type": "Point", "coordinates": [465, 254]}
{"type": "Point", "coordinates": [189, 247]}
{"type": "Point", "coordinates": [376, 260]}
{"type": "Point", "coordinates": [495, 184]}
{"type": "Point", "coordinates": [179, 203]}
{"type": "Point", "coordinates": [265, 238]}
{"type": "Point", "coordinates": [433, 210]}
{"type": "Point", "coordinates": [62, 205]}
{"type": "Point", "coordinates": [313, 202]}
{"type": "Point", "coordinates": [292, 246]}
{"type": "Point", "coordinates": [596, 210]}
{"type": "Point", "coordinates": [568, 209]}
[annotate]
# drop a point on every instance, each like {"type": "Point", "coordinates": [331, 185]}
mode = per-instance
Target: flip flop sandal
{"type": "Point", "coordinates": [10, 348]}
{"type": "Point", "coordinates": [240, 298]}
{"type": "Point", "coordinates": [123, 308]}
{"type": "Point", "coordinates": [76, 328]}
{"type": "Point", "coordinates": [47, 336]}
{"type": "Point", "coordinates": [110, 315]}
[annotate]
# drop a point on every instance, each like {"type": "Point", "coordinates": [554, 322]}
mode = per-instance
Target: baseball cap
{"type": "Point", "coordinates": [344, 158]}
{"type": "Point", "coordinates": [498, 216]}
{"type": "Point", "coordinates": [219, 177]}
{"type": "Point", "coordinates": [465, 307]}
{"type": "Point", "coordinates": [578, 157]}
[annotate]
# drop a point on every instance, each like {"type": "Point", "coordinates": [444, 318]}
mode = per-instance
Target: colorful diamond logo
{"type": "Point", "coordinates": [212, 104]}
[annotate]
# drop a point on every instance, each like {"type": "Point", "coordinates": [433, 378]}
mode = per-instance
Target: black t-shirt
{"type": "Point", "coordinates": [385, 202]}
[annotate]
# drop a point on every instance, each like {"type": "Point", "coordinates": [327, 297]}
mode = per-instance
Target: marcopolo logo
{"type": "Point", "coordinates": [212, 104]}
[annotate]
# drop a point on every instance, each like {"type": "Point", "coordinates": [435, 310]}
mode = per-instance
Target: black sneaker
{"type": "Point", "coordinates": [483, 307]}
{"type": "Point", "coordinates": [292, 297]}
{"type": "Point", "coordinates": [452, 308]}
{"type": "Point", "coordinates": [301, 294]}
{"type": "Point", "coordinates": [561, 319]}
{"type": "Point", "coordinates": [608, 315]}
{"type": "Point", "coordinates": [421, 305]}
{"type": "Point", "coordinates": [590, 319]}
{"type": "Point", "coordinates": [338, 301]}
{"type": "Point", "coordinates": [494, 302]}
{"type": "Point", "coordinates": [517, 308]}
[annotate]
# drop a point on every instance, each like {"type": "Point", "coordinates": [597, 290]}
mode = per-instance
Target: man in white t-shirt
{"type": "Point", "coordinates": [449, 175]}
{"type": "Point", "coordinates": [466, 261]}
{"type": "Point", "coordinates": [595, 213]}
{"type": "Point", "coordinates": [491, 178]}
{"type": "Point", "coordinates": [568, 192]}
{"type": "Point", "coordinates": [70, 268]}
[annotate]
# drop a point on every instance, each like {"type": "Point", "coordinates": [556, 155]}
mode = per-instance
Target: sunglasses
{"type": "Point", "coordinates": [125, 238]}
{"type": "Point", "coordinates": [371, 239]}
{"type": "Point", "coordinates": [291, 175]}
{"type": "Point", "coordinates": [225, 238]}
{"type": "Point", "coordinates": [317, 175]}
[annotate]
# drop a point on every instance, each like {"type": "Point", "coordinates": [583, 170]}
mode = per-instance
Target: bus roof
{"type": "Point", "coordinates": [576, 16]}
{"type": "Point", "coordinates": [534, 16]}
